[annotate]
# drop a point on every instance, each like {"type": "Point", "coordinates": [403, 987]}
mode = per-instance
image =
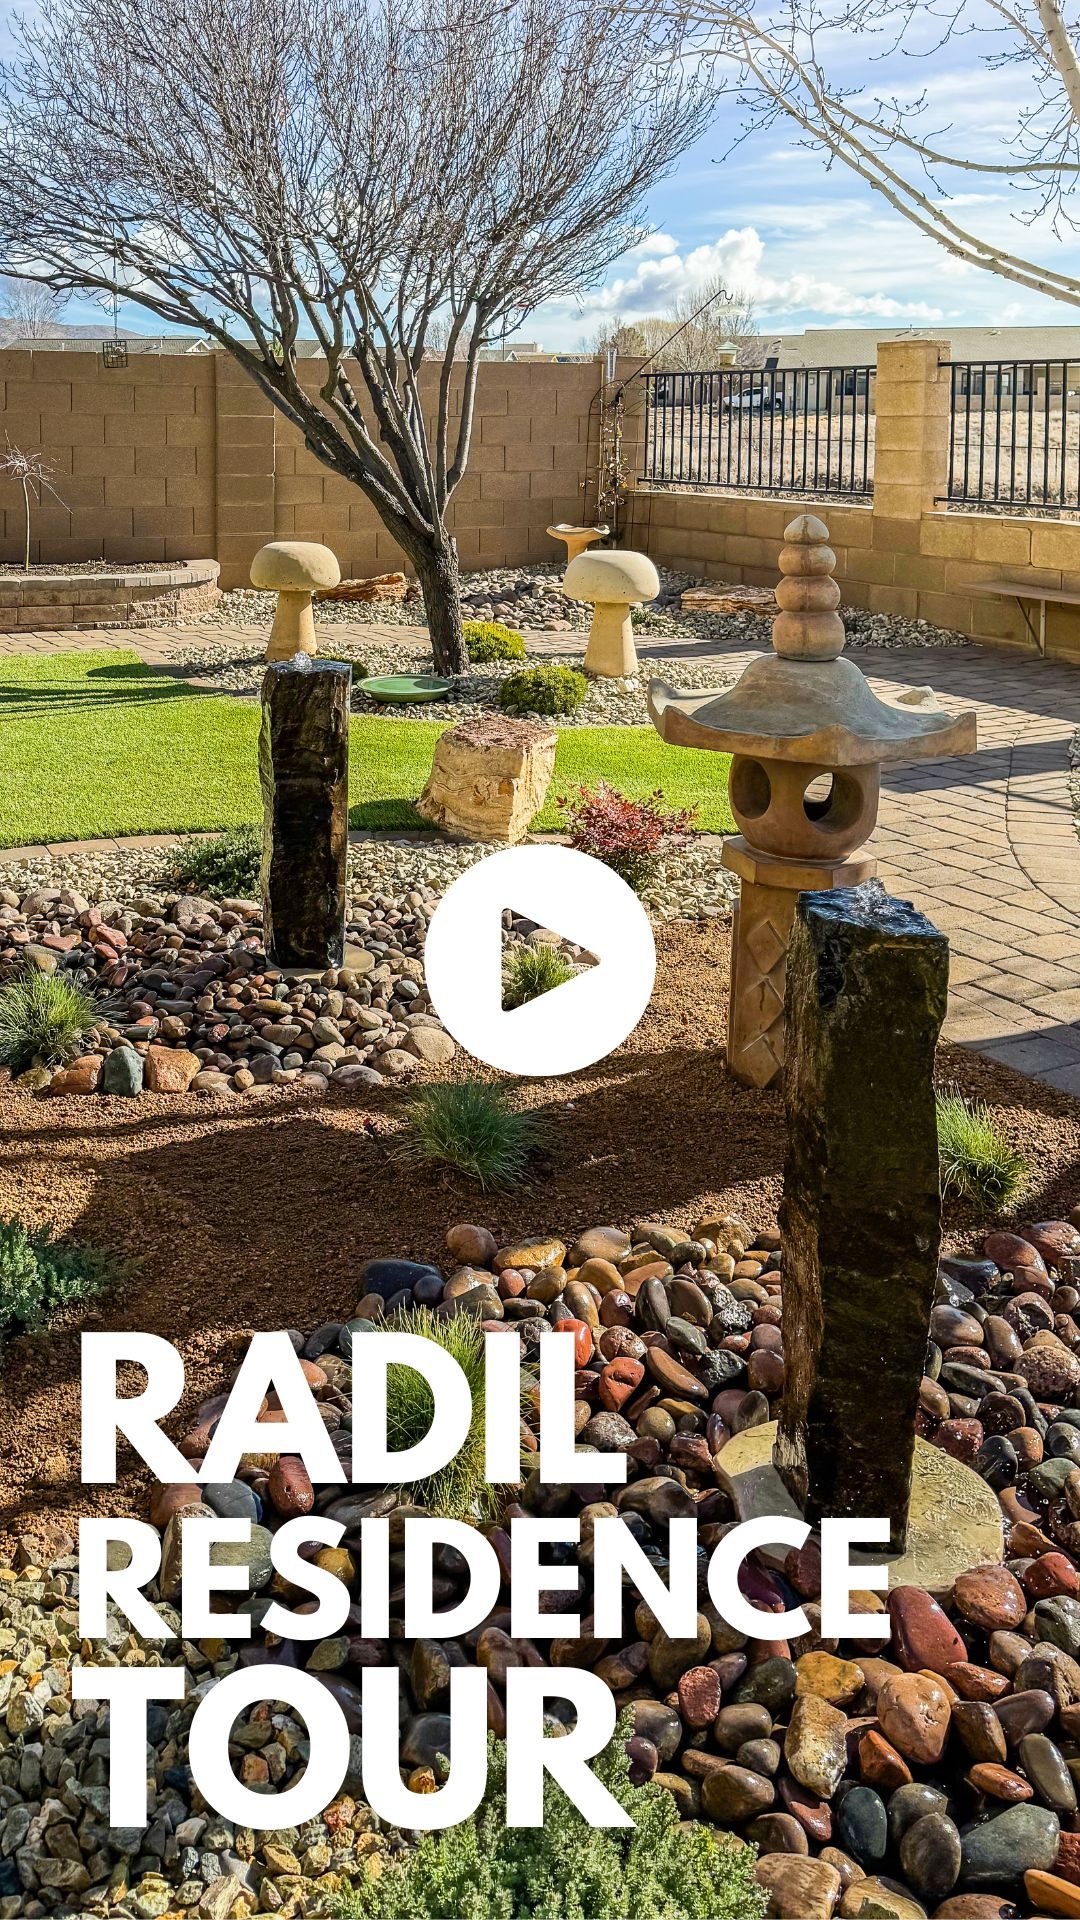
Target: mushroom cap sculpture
{"type": "Point", "coordinates": [294, 570]}
{"type": "Point", "coordinates": [613, 582]}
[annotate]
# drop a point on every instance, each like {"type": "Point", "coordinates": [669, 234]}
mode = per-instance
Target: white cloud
{"type": "Point", "coordinates": [658, 272]}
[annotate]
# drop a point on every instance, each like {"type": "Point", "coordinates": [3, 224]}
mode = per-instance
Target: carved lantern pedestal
{"type": "Point", "coordinates": [808, 739]}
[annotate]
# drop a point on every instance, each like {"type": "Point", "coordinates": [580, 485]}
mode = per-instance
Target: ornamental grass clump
{"type": "Point", "coordinates": [471, 1126]}
{"type": "Point", "coordinates": [43, 1018]}
{"type": "Point", "coordinates": [627, 835]}
{"type": "Point", "coordinates": [977, 1160]}
{"type": "Point", "coordinates": [490, 640]}
{"type": "Point", "coordinates": [481, 1869]}
{"type": "Point", "coordinates": [530, 971]}
{"type": "Point", "coordinates": [224, 866]}
{"type": "Point", "coordinates": [39, 1276]}
{"type": "Point", "coordinates": [546, 690]}
{"type": "Point", "coordinates": [459, 1491]}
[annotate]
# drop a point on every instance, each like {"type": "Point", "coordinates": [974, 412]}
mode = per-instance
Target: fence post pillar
{"type": "Point", "coordinates": [911, 436]}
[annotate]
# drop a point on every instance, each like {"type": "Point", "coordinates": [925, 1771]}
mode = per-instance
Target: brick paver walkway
{"type": "Point", "coordinates": [984, 845]}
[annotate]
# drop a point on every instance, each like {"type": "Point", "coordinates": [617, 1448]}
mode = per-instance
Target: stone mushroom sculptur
{"type": "Point", "coordinates": [294, 570]}
{"type": "Point", "coordinates": [798, 720]}
{"type": "Point", "coordinates": [614, 582]}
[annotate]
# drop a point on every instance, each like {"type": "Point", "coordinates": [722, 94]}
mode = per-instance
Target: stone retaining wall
{"type": "Point", "coordinates": [121, 599]}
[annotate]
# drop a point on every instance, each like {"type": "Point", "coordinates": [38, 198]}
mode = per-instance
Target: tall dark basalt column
{"type": "Point", "coordinates": [304, 775]}
{"type": "Point", "coordinates": [867, 980]}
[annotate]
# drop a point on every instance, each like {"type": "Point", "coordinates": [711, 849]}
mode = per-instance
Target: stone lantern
{"type": "Point", "coordinates": [809, 739]}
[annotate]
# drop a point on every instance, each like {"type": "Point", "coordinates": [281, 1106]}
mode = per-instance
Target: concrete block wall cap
{"type": "Point", "coordinates": [822, 712]}
{"type": "Point", "coordinates": [186, 573]}
{"type": "Point", "coordinates": [294, 566]}
{"type": "Point", "coordinates": [618, 578]}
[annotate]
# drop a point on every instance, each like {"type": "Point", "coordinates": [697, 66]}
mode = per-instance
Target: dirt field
{"type": "Point", "coordinates": [241, 1215]}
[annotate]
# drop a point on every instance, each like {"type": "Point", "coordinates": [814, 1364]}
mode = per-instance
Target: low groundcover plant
{"type": "Point", "coordinates": [482, 1869]}
{"type": "Point", "coordinates": [224, 866]}
{"type": "Point", "coordinates": [39, 1276]}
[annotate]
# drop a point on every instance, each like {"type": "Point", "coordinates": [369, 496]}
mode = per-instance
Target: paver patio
{"type": "Point", "coordinates": [985, 845]}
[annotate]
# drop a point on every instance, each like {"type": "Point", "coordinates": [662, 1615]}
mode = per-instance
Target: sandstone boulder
{"type": "Point", "coordinates": [489, 778]}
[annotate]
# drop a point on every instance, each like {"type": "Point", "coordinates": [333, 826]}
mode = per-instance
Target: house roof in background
{"type": "Point", "coordinates": [857, 346]}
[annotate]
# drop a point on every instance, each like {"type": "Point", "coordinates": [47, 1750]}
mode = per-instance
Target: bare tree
{"type": "Point", "coordinates": [358, 168]}
{"type": "Point", "coordinates": [692, 333]}
{"type": "Point", "coordinates": [704, 322]}
{"type": "Point", "coordinates": [35, 475]}
{"type": "Point", "coordinates": [776, 57]}
{"type": "Point", "coordinates": [28, 310]}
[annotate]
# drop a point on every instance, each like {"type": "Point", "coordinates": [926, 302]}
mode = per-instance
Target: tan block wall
{"type": "Point", "coordinates": [133, 451]}
{"type": "Point", "coordinates": [179, 457]}
{"type": "Point", "coordinates": [922, 568]}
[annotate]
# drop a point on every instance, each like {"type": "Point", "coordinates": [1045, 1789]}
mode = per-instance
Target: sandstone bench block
{"type": "Point", "coordinates": [489, 778]}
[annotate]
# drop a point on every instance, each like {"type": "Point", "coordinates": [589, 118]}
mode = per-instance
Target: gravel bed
{"type": "Point", "coordinates": [689, 884]}
{"type": "Point", "coordinates": [929, 1770]}
{"type": "Point", "coordinates": [607, 702]}
{"type": "Point", "coordinates": [186, 999]}
{"type": "Point", "coordinates": [531, 597]}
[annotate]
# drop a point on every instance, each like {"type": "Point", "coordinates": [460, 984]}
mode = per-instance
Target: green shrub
{"type": "Point", "coordinates": [459, 1491]}
{"type": "Point", "coordinates": [224, 866]}
{"type": "Point", "coordinates": [549, 690]}
{"type": "Point", "coordinates": [39, 1276]}
{"type": "Point", "coordinates": [471, 1126]}
{"type": "Point", "coordinates": [976, 1158]}
{"type": "Point", "coordinates": [43, 1017]}
{"type": "Point", "coordinates": [490, 640]}
{"type": "Point", "coordinates": [482, 1869]}
{"type": "Point", "coordinates": [530, 971]}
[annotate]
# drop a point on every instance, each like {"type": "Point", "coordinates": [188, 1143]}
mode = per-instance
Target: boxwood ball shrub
{"type": "Point", "coordinates": [43, 1017]}
{"type": "Point", "coordinates": [482, 1869]}
{"type": "Point", "coordinates": [491, 640]}
{"type": "Point", "coordinates": [548, 689]}
{"type": "Point", "coordinates": [224, 866]}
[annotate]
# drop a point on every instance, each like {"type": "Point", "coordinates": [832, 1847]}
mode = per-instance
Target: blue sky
{"type": "Point", "coordinates": [812, 247]}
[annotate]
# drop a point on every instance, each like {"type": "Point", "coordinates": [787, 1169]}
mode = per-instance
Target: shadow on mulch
{"type": "Point", "coordinates": [252, 1214]}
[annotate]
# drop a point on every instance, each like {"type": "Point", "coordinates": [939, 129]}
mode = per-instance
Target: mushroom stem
{"type": "Point", "coordinates": [611, 652]}
{"type": "Point", "coordinates": [293, 630]}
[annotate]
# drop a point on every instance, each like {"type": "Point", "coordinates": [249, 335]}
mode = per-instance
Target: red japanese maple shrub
{"type": "Point", "coordinates": [627, 835]}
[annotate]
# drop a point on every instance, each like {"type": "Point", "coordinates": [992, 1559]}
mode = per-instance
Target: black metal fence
{"type": "Point", "coordinates": [1015, 433]}
{"type": "Point", "coordinates": [765, 430]}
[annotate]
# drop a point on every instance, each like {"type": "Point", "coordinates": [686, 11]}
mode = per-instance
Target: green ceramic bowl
{"type": "Point", "coordinates": [396, 688]}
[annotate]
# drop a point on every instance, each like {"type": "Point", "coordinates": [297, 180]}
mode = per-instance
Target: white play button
{"type": "Point", "coordinates": [574, 1024]}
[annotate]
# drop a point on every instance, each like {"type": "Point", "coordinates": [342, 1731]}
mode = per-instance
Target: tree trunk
{"type": "Point", "coordinates": [26, 522]}
{"type": "Point", "coordinates": [440, 582]}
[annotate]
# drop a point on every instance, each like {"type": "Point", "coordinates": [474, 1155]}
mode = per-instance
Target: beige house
{"type": "Point", "coordinates": [857, 347]}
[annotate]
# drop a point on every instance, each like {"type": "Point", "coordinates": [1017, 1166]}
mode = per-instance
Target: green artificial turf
{"type": "Point", "coordinates": [97, 743]}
